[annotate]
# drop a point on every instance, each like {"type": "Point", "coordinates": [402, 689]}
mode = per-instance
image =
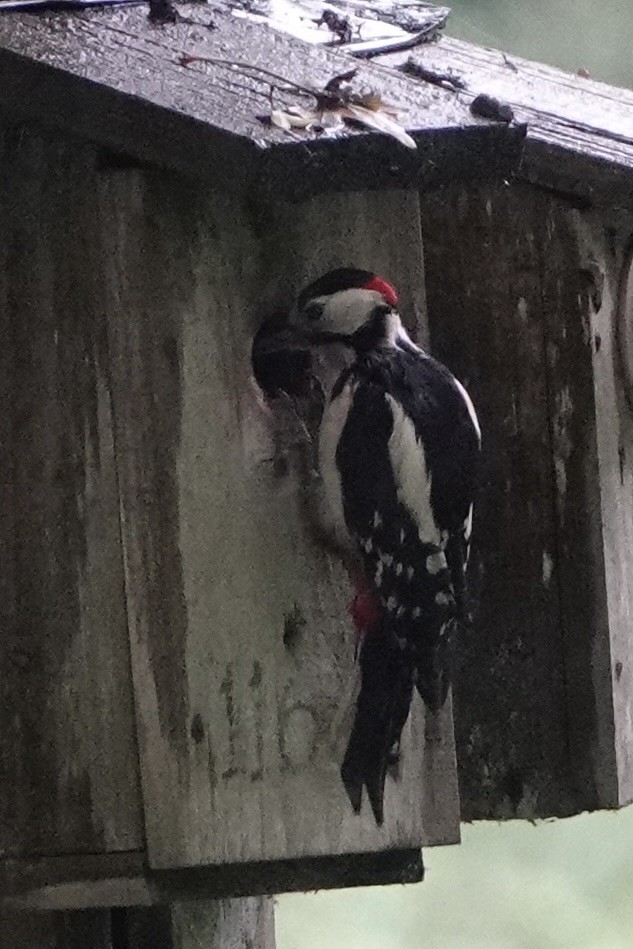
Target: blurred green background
{"type": "Point", "coordinates": [596, 35]}
{"type": "Point", "coordinates": [561, 884]}
{"type": "Point", "coordinates": [564, 884]}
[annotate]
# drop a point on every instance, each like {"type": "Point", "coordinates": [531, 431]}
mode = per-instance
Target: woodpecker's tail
{"type": "Point", "coordinates": [382, 709]}
{"type": "Point", "coordinates": [434, 665]}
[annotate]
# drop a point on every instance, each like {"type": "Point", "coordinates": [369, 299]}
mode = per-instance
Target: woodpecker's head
{"type": "Point", "coordinates": [345, 305]}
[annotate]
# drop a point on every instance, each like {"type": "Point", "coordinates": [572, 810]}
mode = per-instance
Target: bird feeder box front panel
{"type": "Point", "coordinates": [242, 648]}
{"type": "Point", "coordinates": [182, 659]}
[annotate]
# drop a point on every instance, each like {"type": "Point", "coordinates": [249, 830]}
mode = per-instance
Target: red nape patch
{"type": "Point", "coordinates": [381, 286]}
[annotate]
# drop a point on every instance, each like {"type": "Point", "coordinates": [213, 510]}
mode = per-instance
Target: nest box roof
{"type": "Point", "coordinates": [113, 77]}
{"type": "Point", "coordinates": [117, 79]}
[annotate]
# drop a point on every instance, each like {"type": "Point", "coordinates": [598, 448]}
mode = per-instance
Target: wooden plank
{"type": "Point", "coordinates": [68, 764]}
{"type": "Point", "coordinates": [240, 744]}
{"type": "Point", "coordinates": [89, 929]}
{"type": "Point", "coordinates": [484, 291]}
{"type": "Point", "coordinates": [229, 924]}
{"type": "Point", "coordinates": [113, 78]}
{"type": "Point", "coordinates": [219, 924]}
{"type": "Point", "coordinates": [120, 880]}
{"type": "Point", "coordinates": [592, 432]}
{"type": "Point", "coordinates": [35, 930]}
{"type": "Point", "coordinates": [580, 132]}
{"type": "Point", "coordinates": [380, 233]}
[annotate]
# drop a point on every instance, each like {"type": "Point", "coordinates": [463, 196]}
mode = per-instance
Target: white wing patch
{"type": "Point", "coordinates": [469, 406]}
{"type": "Point", "coordinates": [413, 481]}
{"type": "Point", "coordinates": [332, 424]}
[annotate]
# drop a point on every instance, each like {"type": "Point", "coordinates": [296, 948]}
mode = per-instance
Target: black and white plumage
{"type": "Point", "coordinates": [398, 450]}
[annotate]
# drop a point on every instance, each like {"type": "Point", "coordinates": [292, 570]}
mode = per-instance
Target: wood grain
{"type": "Point", "coordinates": [240, 734]}
{"type": "Point", "coordinates": [527, 314]}
{"type": "Point", "coordinates": [89, 929]}
{"type": "Point", "coordinates": [594, 491]}
{"type": "Point", "coordinates": [69, 763]}
{"type": "Point", "coordinates": [226, 924]}
{"type": "Point", "coordinates": [113, 78]}
{"type": "Point", "coordinates": [580, 132]}
{"type": "Point", "coordinates": [120, 880]}
{"type": "Point", "coordinates": [380, 233]}
{"type": "Point", "coordinates": [486, 321]}
{"type": "Point", "coordinates": [220, 924]}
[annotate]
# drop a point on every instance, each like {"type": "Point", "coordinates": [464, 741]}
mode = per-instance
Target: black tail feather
{"type": "Point", "coordinates": [434, 667]}
{"type": "Point", "coordinates": [382, 709]}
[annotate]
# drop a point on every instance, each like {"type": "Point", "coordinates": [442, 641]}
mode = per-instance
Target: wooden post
{"type": "Point", "coordinates": [219, 924]}
{"type": "Point", "coordinates": [88, 929]}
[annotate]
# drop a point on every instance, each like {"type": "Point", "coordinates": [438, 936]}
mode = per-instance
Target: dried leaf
{"type": "Point", "coordinates": [336, 104]}
{"type": "Point", "coordinates": [294, 118]}
{"type": "Point", "coordinates": [379, 120]}
{"type": "Point", "coordinates": [280, 118]}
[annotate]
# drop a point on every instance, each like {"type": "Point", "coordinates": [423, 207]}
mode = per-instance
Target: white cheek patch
{"type": "Point", "coordinates": [347, 310]}
{"type": "Point", "coordinates": [413, 481]}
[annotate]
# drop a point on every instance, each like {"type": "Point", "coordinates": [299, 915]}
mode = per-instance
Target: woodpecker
{"type": "Point", "coordinates": [398, 447]}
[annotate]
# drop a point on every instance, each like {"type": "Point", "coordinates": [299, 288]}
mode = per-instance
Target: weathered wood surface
{"type": "Point", "coordinates": [89, 929]}
{"type": "Point", "coordinates": [68, 767]}
{"type": "Point", "coordinates": [113, 78]}
{"type": "Point", "coordinates": [604, 482]}
{"type": "Point", "coordinates": [580, 132]}
{"type": "Point", "coordinates": [485, 316]}
{"type": "Point", "coordinates": [381, 234]}
{"type": "Point", "coordinates": [120, 880]}
{"type": "Point", "coordinates": [240, 724]}
{"type": "Point", "coordinates": [221, 924]}
{"type": "Point", "coordinates": [624, 321]}
{"type": "Point", "coordinates": [525, 314]}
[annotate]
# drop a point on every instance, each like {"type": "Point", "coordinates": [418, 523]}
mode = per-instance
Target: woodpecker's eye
{"type": "Point", "coordinates": [313, 311]}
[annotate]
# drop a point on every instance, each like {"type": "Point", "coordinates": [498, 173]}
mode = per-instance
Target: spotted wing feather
{"type": "Point", "coordinates": [408, 574]}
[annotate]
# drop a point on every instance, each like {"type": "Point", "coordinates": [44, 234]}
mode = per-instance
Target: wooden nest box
{"type": "Point", "coordinates": [176, 651]}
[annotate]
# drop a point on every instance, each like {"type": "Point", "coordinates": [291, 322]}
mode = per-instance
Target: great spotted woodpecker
{"type": "Point", "coordinates": [398, 448]}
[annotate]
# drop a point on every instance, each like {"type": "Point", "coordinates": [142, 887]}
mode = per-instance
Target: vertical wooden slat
{"type": "Point", "coordinates": [69, 766]}
{"type": "Point", "coordinates": [87, 929]}
{"type": "Point", "coordinates": [217, 924]}
{"type": "Point", "coordinates": [239, 744]}
{"type": "Point", "coordinates": [379, 232]}
{"type": "Point", "coordinates": [592, 428]}
{"type": "Point", "coordinates": [227, 924]}
{"type": "Point", "coordinates": [485, 312]}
